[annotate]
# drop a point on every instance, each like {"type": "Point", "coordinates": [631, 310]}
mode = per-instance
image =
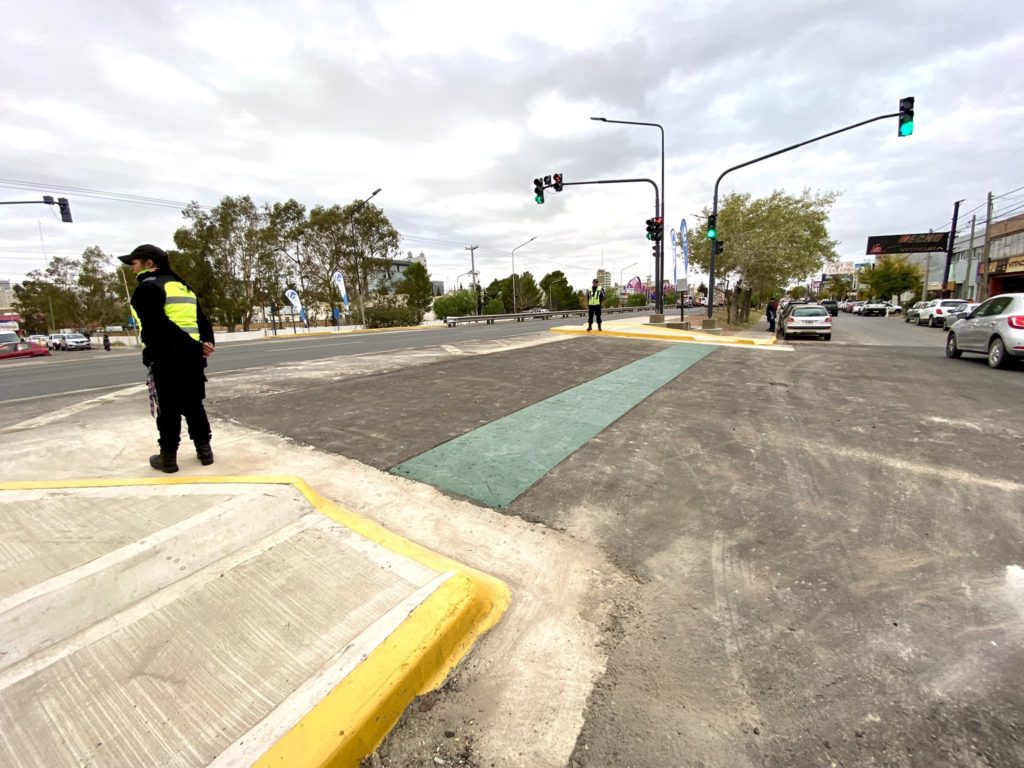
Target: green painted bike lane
{"type": "Point", "coordinates": [499, 461]}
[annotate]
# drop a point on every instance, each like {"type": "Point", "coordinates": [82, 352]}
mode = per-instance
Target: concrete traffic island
{"type": "Point", "coordinates": [224, 621]}
{"type": "Point", "coordinates": [671, 330]}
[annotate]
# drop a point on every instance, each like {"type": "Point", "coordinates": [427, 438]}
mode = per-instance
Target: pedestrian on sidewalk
{"type": "Point", "coordinates": [176, 340]}
{"type": "Point", "coordinates": [106, 342]}
{"type": "Point", "coordinates": [594, 298]}
{"type": "Point", "coordinates": [771, 313]}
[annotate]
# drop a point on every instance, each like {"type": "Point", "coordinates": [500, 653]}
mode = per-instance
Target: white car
{"type": "Point", "coordinates": [994, 329]}
{"type": "Point", "coordinates": [934, 312]}
{"type": "Point", "coordinates": [806, 320]}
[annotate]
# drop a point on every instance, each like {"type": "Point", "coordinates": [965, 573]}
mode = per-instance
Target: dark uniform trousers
{"type": "Point", "coordinates": [180, 392]}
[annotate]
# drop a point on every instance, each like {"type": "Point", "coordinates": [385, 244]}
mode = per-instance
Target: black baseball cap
{"type": "Point", "coordinates": [157, 255]}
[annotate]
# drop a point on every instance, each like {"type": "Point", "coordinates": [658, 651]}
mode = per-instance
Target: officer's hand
{"type": "Point", "coordinates": [207, 348]}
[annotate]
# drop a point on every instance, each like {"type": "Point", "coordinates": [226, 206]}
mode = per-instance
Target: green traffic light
{"type": "Point", "coordinates": [712, 233]}
{"type": "Point", "coordinates": [906, 128]}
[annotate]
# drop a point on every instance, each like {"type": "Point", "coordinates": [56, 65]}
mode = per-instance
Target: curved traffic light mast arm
{"type": "Point", "coordinates": [657, 197]}
{"type": "Point", "coordinates": [714, 205]}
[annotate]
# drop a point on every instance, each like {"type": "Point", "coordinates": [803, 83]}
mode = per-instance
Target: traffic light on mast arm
{"type": "Point", "coordinates": [538, 190]}
{"type": "Point", "coordinates": [906, 116]}
{"type": "Point", "coordinates": [65, 210]}
{"type": "Point", "coordinates": [659, 229]}
{"type": "Point", "coordinates": [712, 227]}
{"type": "Point", "coordinates": [651, 229]}
{"type": "Point", "coordinates": [557, 182]}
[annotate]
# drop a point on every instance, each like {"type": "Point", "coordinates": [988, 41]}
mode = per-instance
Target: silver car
{"type": "Point", "coordinates": [995, 329]}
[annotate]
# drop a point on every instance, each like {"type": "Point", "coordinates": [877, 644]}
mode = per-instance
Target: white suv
{"type": "Point", "coordinates": [935, 311]}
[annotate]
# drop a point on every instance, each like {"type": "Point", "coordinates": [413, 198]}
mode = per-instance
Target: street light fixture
{"type": "Point", "coordinates": [659, 267]}
{"type": "Point", "coordinates": [352, 229]}
{"type": "Point", "coordinates": [623, 270]}
{"type": "Point", "coordinates": [514, 271]}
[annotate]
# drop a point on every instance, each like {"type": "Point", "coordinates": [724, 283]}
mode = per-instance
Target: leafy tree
{"type": "Point", "coordinates": [798, 291]}
{"type": "Point", "coordinates": [232, 237]}
{"type": "Point", "coordinates": [528, 294]}
{"type": "Point", "coordinates": [636, 300]}
{"type": "Point", "coordinates": [502, 291]}
{"type": "Point", "coordinates": [561, 295]}
{"type": "Point", "coordinates": [418, 291]}
{"type": "Point", "coordinates": [455, 304]}
{"type": "Point", "coordinates": [98, 290]}
{"type": "Point", "coordinates": [892, 276]}
{"type": "Point", "coordinates": [770, 241]}
{"type": "Point", "coordinates": [494, 307]}
{"type": "Point", "coordinates": [839, 286]}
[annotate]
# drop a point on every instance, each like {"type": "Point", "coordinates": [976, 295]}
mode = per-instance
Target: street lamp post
{"type": "Point", "coordinates": [659, 267]}
{"type": "Point", "coordinates": [352, 229]}
{"type": "Point", "coordinates": [514, 271]}
{"type": "Point", "coordinates": [622, 272]}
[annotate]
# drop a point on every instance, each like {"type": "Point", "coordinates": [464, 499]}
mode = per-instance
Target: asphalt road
{"type": "Point", "coordinates": [810, 557]}
{"type": "Point", "coordinates": [95, 370]}
{"type": "Point", "coordinates": [818, 554]}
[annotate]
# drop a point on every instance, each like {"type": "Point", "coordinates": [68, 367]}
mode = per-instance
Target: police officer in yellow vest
{"type": "Point", "coordinates": [176, 340]}
{"type": "Point", "coordinates": [594, 298]}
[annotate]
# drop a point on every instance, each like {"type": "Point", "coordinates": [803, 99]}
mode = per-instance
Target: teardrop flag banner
{"type": "Point", "coordinates": [339, 281]}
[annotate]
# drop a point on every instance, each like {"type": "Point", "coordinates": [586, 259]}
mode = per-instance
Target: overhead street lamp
{"type": "Point", "coordinates": [659, 266]}
{"type": "Point", "coordinates": [623, 271]}
{"type": "Point", "coordinates": [352, 230]}
{"type": "Point", "coordinates": [514, 271]}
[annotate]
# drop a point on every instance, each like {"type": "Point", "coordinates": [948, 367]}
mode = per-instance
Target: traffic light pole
{"type": "Point", "coordinates": [714, 206]}
{"type": "Point", "coordinates": [657, 212]}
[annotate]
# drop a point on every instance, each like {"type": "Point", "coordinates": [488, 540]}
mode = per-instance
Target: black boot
{"type": "Point", "coordinates": [165, 461]}
{"type": "Point", "coordinates": [205, 454]}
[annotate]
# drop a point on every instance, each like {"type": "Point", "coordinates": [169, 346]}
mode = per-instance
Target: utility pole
{"type": "Point", "coordinates": [983, 287]}
{"type": "Point", "coordinates": [949, 249]}
{"type": "Point", "coordinates": [472, 271]}
{"type": "Point", "coordinates": [970, 255]}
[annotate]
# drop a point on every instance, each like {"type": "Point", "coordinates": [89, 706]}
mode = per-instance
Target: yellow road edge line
{"type": "Point", "coordinates": [658, 336]}
{"type": "Point", "coordinates": [353, 719]}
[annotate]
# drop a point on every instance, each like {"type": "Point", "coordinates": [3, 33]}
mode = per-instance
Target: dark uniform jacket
{"type": "Point", "coordinates": [165, 344]}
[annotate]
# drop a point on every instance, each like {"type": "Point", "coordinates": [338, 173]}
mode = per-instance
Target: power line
{"type": "Point", "coordinates": [97, 194]}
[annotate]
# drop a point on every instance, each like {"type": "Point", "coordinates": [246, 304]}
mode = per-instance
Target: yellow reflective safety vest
{"type": "Point", "coordinates": [595, 297]}
{"type": "Point", "coordinates": [180, 305]}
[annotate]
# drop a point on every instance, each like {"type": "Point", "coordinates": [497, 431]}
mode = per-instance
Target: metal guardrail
{"type": "Point", "coordinates": [520, 317]}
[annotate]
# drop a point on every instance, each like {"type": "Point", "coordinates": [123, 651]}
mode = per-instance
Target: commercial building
{"type": "Point", "coordinates": [1004, 271]}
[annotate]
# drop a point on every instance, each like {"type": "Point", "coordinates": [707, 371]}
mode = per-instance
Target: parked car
{"type": "Point", "coordinates": [935, 311]}
{"type": "Point", "coordinates": [76, 341]}
{"type": "Point", "coordinates": [912, 311]}
{"type": "Point", "coordinates": [857, 307]}
{"type": "Point", "coordinates": [55, 341]}
{"type": "Point", "coordinates": [892, 309]}
{"type": "Point", "coordinates": [994, 329]}
{"type": "Point", "coordinates": [873, 307]}
{"type": "Point", "coordinates": [805, 320]}
{"type": "Point", "coordinates": [13, 349]}
{"type": "Point", "coordinates": [831, 305]}
{"type": "Point", "coordinates": [958, 314]}
{"type": "Point", "coordinates": [38, 339]}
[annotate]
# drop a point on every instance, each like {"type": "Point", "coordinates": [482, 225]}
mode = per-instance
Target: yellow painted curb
{"type": "Point", "coordinates": [355, 717]}
{"type": "Point", "coordinates": [662, 336]}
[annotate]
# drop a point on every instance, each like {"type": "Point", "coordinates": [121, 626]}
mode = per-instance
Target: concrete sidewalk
{"type": "Point", "coordinates": [640, 327]}
{"type": "Point", "coordinates": [215, 621]}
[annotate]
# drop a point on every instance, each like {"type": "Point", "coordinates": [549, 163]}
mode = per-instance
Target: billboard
{"type": "Point", "coordinates": [927, 242]}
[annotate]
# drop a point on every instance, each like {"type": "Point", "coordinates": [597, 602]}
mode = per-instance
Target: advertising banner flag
{"type": "Point", "coordinates": [684, 237]}
{"type": "Point", "coordinates": [293, 297]}
{"type": "Point", "coordinates": [339, 281]}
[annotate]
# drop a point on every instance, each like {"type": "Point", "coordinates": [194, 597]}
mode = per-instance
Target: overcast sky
{"type": "Point", "coordinates": [452, 108]}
